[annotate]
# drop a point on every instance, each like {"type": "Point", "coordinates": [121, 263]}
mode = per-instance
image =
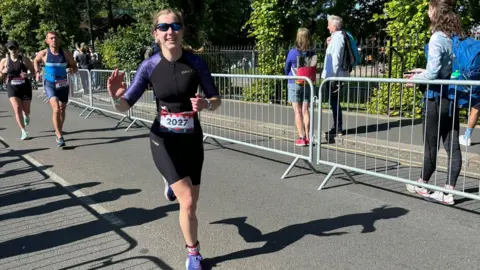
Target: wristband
{"type": "Point", "coordinates": [209, 104]}
{"type": "Point", "coordinates": [116, 101]}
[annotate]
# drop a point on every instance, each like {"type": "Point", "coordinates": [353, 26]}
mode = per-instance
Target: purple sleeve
{"type": "Point", "coordinates": [141, 80]}
{"type": "Point", "coordinates": [206, 79]}
{"type": "Point", "coordinates": [291, 59]}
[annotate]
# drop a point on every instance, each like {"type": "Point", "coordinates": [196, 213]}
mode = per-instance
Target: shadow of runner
{"type": "Point", "coordinates": [278, 240]}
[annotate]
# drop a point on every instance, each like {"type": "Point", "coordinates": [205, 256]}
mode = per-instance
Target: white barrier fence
{"type": "Point", "coordinates": [260, 118]}
{"type": "Point", "coordinates": [401, 148]}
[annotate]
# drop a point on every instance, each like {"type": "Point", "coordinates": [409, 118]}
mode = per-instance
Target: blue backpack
{"type": "Point", "coordinates": [465, 66]}
{"type": "Point", "coordinates": [354, 47]}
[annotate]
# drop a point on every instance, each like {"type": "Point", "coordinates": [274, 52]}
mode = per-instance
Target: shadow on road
{"type": "Point", "coordinates": [25, 191]}
{"type": "Point", "coordinates": [278, 240]}
{"type": "Point", "coordinates": [383, 126]}
{"type": "Point", "coordinates": [101, 197]}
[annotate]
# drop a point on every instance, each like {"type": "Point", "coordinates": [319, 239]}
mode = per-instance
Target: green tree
{"type": "Point", "coordinates": [266, 27]}
{"type": "Point", "coordinates": [124, 48]}
{"type": "Point", "coordinates": [19, 18]}
{"type": "Point", "coordinates": [200, 20]}
{"type": "Point", "coordinates": [223, 22]}
{"type": "Point", "coordinates": [64, 18]}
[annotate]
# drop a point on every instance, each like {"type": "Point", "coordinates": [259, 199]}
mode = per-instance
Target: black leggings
{"type": "Point", "coordinates": [441, 121]}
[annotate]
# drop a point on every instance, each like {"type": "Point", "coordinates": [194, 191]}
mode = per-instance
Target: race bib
{"type": "Point", "coordinates": [177, 122]}
{"type": "Point", "coordinates": [61, 83]}
{"type": "Point", "coordinates": [17, 81]}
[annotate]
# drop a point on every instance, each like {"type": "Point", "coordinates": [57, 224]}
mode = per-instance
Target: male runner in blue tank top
{"type": "Point", "coordinates": [57, 63]}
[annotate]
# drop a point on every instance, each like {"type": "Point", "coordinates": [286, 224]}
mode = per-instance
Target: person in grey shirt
{"type": "Point", "coordinates": [333, 67]}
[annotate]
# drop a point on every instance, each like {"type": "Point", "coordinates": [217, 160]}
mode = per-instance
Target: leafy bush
{"type": "Point", "coordinates": [125, 48]}
{"type": "Point", "coordinates": [403, 101]}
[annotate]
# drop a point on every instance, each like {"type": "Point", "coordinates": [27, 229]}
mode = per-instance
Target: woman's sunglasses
{"type": "Point", "coordinates": [164, 26]}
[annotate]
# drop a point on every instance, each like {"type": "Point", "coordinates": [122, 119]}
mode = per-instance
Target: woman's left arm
{"type": "Point", "coordinates": [434, 63]}
{"type": "Point", "coordinates": [208, 86]}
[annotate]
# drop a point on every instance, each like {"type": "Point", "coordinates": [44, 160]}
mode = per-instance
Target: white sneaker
{"type": "Point", "coordinates": [24, 135]}
{"type": "Point", "coordinates": [419, 190]}
{"type": "Point", "coordinates": [440, 197]}
{"type": "Point", "coordinates": [466, 142]}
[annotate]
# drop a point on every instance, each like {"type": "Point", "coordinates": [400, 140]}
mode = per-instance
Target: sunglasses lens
{"type": "Point", "coordinates": [164, 26]}
{"type": "Point", "coordinates": [176, 26]}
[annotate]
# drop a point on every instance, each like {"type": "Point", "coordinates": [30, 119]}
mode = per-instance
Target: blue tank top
{"type": "Point", "coordinates": [55, 66]}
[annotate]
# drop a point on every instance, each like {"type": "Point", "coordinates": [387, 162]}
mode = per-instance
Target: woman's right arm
{"type": "Point", "coordinates": [135, 90]}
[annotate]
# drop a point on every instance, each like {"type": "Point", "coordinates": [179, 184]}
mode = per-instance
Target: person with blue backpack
{"type": "Point", "coordinates": [466, 66]}
{"type": "Point", "coordinates": [441, 117]}
{"type": "Point", "coordinates": [341, 57]}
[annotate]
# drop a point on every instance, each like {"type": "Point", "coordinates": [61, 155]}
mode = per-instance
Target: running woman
{"type": "Point", "coordinates": [19, 89]}
{"type": "Point", "coordinates": [176, 137]}
{"type": "Point", "coordinates": [58, 62]}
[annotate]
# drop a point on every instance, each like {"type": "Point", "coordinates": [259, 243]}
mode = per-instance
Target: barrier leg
{"type": "Point", "coordinates": [349, 176]}
{"type": "Point", "coordinates": [290, 168]}
{"type": "Point", "coordinates": [119, 122]}
{"type": "Point", "coordinates": [131, 124]}
{"type": "Point", "coordinates": [293, 164]}
{"type": "Point", "coordinates": [214, 140]}
{"type": "Point", "coordinates": [86, 109]}
{"type": "Point", "coordinates": [330, 174]}
{"type": "Point", "coordinates": [310, 166]}
{"type": "Point", "coordinates": [88, 115]}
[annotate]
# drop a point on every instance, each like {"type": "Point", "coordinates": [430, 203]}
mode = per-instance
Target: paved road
{"type": "Point", "coordinates": [249, 217]}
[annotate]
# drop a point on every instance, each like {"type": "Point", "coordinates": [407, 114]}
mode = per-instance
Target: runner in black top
{"type": "Point", "coordinates": [176, 134]}
{"type": "Point", "coordinates": [15, 67]}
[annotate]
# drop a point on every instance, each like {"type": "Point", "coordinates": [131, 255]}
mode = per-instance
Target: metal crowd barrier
{"type": "Point", "coordinates": [253, 113]}
{"type": "Point", "coordinates": [144, 111]}
{"type": "Point", "coordinates": [393, 147]}
{"type": "Point", "coordinates": [101, 100]}
{"type": "Point", "coordinates": [80, 86]}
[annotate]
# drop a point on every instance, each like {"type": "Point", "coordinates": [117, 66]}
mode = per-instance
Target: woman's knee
{"type": "Point", "coordinates": [185, 195]}
{"type": "Point", "coordinates": [188, 203]}
{"type": "Point", "coordinates": [17, 107]}
{"type": "Point", "coordinates": [305, 108]}
{"type": "Point", "coordinates": [474, 113]}
{"type": "Point", "coordinates": [26, 107]}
